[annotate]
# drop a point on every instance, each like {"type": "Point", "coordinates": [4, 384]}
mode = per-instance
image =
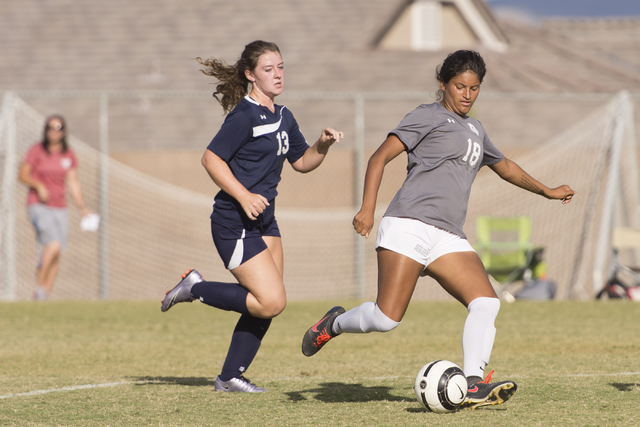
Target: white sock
{"type": "Point", "coordinates": [478, 335]}
{"type": "Point", "coordinates": [365, 318]}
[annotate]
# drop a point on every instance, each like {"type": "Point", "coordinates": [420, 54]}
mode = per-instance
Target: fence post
{"type": "Point", "coordinates": [633, 171]}
{"type": "Point", "coordinates": [359, 172]}
{"type": "Point", "coordinates": [104, 196]}
{"type": "Point", "coordinates": [632, 178]}
{"type": "Point", "coordinates": [8, 201]}
{"type": "Point", "coordinates": [603, 246]}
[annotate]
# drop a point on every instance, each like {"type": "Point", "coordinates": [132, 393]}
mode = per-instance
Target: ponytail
{"type": "Point", "coordinates": [234, 85]}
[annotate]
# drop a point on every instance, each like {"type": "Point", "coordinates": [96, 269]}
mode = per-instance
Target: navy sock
{"type": "Point", "coordinates": [245, 343]}
{"type": "Point", "coordinates": [225, 296]}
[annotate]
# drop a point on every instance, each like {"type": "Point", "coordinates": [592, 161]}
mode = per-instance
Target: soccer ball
{"type": "Point", "coordinates": [441, 386]}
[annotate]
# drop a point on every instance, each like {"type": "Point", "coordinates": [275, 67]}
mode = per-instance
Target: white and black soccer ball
{"type": "Point", "coordinates": [441, 386]}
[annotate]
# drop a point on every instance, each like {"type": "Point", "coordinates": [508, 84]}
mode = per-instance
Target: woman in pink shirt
{"type": "Point", "coordinates": [46, 168]}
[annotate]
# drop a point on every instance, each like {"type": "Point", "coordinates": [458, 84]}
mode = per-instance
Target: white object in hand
{"type": "Point", "coordinates": [90, 222]}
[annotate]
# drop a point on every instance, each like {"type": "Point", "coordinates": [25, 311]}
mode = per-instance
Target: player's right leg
{"type": "Point", "coordinates": [255, 260]}
{"type": "Point", "coordinates": [397, 277]}
{"type": "Point", "coordinates": [182, 291]}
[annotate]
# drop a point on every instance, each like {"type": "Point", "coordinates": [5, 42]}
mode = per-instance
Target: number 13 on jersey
{"type": "Point", "coordinates": [283, 142]}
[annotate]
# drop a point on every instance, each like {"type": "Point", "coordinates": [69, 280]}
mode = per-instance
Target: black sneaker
{"type": "Point", "coordinates": [182, 291]}
{"type": "Point", "coordinates": [481, 393]}
{"type": "Point", "coordinates": [320, 333]}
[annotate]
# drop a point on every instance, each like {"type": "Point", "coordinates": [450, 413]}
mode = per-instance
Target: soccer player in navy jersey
{"type": "Point", "coordinates": [421, 231]}
{"type": "Point", "coordinates": [245, 160]}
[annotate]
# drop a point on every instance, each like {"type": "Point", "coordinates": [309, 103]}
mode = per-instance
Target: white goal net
{"type": "Point", "coordinates": [152, 231]}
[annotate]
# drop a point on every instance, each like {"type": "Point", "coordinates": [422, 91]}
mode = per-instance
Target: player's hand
{"type": "Point", "coordinates": [363, 223]}
{"type": "Point", "coordinates": [564, 193]}
{"type": "Point", "coordinates": [43, 193]}
{"type": "Point", "coordinates": [253, 205]}
{"type": "Point", "coordinates": [330, 136]}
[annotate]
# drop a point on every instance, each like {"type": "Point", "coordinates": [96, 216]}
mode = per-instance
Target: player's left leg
{"type": "Point", "coordinates": [274, 243]}
{"type": "Point", "coordinates": [49, 266]}
{"type": "Point", "coordinates": [248, 334]}
{"type": "Point", "coordinates": [464, 277]}
{"type": "Point", "coordinates": [52, 229]}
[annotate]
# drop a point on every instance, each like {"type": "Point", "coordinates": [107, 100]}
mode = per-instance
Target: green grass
{"type": "Point", "coordinates": [576, 363]}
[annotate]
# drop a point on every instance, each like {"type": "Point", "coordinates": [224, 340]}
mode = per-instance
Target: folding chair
{"type": "Point", "coordinates": [505, 248]}
{"type": "Point", "coordinates": [624, 281]}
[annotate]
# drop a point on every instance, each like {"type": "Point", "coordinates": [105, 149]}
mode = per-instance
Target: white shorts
{"type": "Point", "coordinates": [421, 242]}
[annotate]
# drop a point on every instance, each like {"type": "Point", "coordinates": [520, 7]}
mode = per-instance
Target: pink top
{"type": "Point", "coordinates": [51, 170]}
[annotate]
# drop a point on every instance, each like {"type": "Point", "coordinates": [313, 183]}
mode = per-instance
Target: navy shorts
{"type": "Point", "coordinates": [238, 246]}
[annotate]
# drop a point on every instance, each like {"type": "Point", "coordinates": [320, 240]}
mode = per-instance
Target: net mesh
{"type": "Point", "coordinates": [151, 230]}
{"type": "Point", "coordinates": [582, 156]}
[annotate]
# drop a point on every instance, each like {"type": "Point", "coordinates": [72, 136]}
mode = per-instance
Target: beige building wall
{"type": "Point", "coordinates": [399, 35]}
{"type": "Point", "coordinates": [456, 32]}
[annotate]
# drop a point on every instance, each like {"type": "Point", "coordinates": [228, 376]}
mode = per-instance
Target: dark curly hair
{"type": "Point", "coordinates": [233, 84]}
{"type": "Point", "coordinates": [457, 63]}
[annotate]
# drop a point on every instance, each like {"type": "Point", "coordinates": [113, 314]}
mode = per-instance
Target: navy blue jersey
{"type": "Point", "coordinates": [254, 142]}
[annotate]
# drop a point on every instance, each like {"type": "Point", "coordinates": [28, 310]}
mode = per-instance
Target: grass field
{"type": "Point", "coordinates": [128, 364]}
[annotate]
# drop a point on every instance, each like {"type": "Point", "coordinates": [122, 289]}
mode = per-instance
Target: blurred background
{"type": "Point", "coordinates": [560, 98]}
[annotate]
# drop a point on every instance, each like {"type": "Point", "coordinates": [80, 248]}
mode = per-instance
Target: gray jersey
{"type": "Point", "coordinates": [445, 152]}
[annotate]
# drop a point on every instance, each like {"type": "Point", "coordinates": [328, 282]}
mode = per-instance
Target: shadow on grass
{"type": "Point", "coordinates": [340, 392]}
{"type": "Point", "coordinates": [625, 386]}
{"type": "Point", "coordinates": [187, 381]}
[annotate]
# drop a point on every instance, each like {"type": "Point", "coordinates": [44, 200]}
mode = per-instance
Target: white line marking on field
{"type": "Point", "coordinates": [89, 386]}
{"type": "Point", "coordinates": [599, 375]}
{"type": "Point", "coordinates": [72, 388]}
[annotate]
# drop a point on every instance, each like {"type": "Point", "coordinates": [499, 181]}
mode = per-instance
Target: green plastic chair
{"type": "Point", "coordinates": [505, 248]}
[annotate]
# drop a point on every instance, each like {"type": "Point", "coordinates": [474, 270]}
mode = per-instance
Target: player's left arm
{"type": "Point", "coordinates": [314, 155]}
{"type": "Point", "coordinates": [76, 191]}
{"type": "Point", "coordinates": [511, 172]}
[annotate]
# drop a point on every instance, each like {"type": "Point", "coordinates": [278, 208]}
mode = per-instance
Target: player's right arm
{"type": "Point", "coordinates": [389, 150]}
{"type": "Point", "coordinates": [24, 175]}
{"type": "Point", "coordinates": [252, 204]}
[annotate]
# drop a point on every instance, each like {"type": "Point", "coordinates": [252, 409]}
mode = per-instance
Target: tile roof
{"type": "Point", "coordinates": [327, 45]}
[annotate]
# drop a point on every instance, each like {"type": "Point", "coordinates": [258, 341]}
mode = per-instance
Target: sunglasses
{"type": "Point", "coordinates": [55, 126]}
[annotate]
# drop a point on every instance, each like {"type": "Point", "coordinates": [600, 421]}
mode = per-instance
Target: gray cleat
{"type": "Point", "coordinates": [182, 291]}
{"type": "Point", "coordinates": [240, 384]}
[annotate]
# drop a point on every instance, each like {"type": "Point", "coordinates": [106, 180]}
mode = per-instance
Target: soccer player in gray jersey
{"type": "Point", "coordinates": [421, 232]}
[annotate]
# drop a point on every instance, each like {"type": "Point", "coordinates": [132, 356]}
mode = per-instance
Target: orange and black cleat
{"type": "Point", "coordinates": [482, 393]}
{"type": "Point", "coordinates": [320, 333]}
